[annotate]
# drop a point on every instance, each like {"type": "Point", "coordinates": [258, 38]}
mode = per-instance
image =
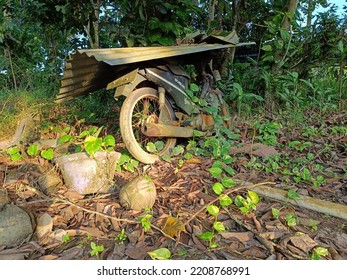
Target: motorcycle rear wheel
{"type": "Point", "coordinates": [142, 106]}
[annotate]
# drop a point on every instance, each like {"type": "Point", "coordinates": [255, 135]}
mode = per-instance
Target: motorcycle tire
{"type": "Point", "coordinates": [141, 106]}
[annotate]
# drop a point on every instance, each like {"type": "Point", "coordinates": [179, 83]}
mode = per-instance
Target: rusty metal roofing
{"type": "Point", "coordinates": [91, 69]}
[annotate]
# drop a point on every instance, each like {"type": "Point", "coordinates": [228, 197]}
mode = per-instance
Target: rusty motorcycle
{"type": "Point", "coordinates": [158, 106]}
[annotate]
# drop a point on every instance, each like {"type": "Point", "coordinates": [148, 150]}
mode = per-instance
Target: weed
{"type": "Point", "coordinates": [14, 107]}
{"type": "Point", "coordinates": [33, 150]}
{"type": "Point", "coordinates": [216, 227]}
{"type": "Point", "coordinates": [291, 219]}
{"type": "Point", "coordinates": [293, 195]}
{"type": "Point", "coordinates": [242, 98]}
{"type": "Point", "coordinates": [275, 213]}
{"type": "Point", "coordinates": [91, 142]}
{"type": "Point", "coordinates": [96, 249]}
{"type": "Point", "coordinates": [319, 252]}
{"type": "Point", "coordinates": [14, 153]}
{"type": "Point", "coordinates": [155, 147]}
{"type": "Point", "coordinates": [268, 132]}
{"type": "Point", "coordinates": [314, 226]}
{"type": "Point", "coordinates": [146, 221]}
{"type": "Point", "coordinates": [121, 237]}
{"type": "Point", "coordinates": [127, 162]}
{"type": "Point", "coordinates": [66, 238]}
{"type": "Point", "coordinates": [248, 204]}
{"type": "Point", "coordinates": [47, 154]}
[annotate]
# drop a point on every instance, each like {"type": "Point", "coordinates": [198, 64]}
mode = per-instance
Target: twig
{"type": "Point", "coordinates": [65, 201]}
{"type": "Point", "coordinates": [262, 240]}
{"type": "Point", "coordinates": [60, 199]}
{"type": "Point", "coordinates": [11, 66]}
{"type": "Point", "coordinates": [5, 175]}
{"type": "Point", "coordinates": [268, 244]}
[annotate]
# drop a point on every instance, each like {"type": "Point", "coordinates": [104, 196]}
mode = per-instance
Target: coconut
{"type": "Point", "coordinates": [140, 193]}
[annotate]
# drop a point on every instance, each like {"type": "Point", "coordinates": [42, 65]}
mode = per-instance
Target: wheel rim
{"type": "Point", "coordinates": [146, 110]}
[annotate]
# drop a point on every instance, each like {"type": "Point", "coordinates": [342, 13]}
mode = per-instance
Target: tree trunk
{"type": "Point", "coordinates": [235, 10]}
{"type": "Point", "coordinates": [286, 25]}
{"type": "Point", "coordinates": [310, 9]}
{"type": "Point", "coordinates": [211, 12]}
{"type": "Point", "coordinates": [97, 5]}
{"type": "Point", "coordinates": [291, 9]}
{"type": "Point", "coordinates": [220, 10]}
{"type": "Point", "coordinates": [93, 35]}
{"type": "Point", "coordinates": [89, 35]}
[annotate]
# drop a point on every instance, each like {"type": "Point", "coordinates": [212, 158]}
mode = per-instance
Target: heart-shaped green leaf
{"type": "Point", "coordinates": [160, 254]}
{"type": "Point", "coordinates": [32, 150]}
{"type": "Point", "coordinates": [109, 140]}
{"type": "Point", "coordinates": [213, 210]}
{"type": "Point", "coordinates": [47, 154]}
{"type": "Point", "coordinates": [218, 188]}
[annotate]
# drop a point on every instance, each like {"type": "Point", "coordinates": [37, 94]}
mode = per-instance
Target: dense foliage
{"type": "Point", "coordinates": [299, 57]}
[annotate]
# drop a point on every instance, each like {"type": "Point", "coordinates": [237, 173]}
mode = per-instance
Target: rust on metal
{"type": "Point", "coordinates": [162, 130]}
{"type": "Point", "coordinates": [91, 69]}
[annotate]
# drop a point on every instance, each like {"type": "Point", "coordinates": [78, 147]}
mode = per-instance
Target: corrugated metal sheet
{"type": "Point", "coordinates": [92, 69]}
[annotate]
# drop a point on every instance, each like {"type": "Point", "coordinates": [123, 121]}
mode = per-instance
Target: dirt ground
{"type": "Point", "coordinates": [183, 192]}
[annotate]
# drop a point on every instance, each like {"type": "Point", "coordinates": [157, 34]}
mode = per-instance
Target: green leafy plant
{"type": "Point", "coordinates": [160, 254]}
{"type": "Point", "coordinates": [33, 150]}
{"type": "Point", "coordinates": [300, 146]}
{"type": "Point", "coordinates": [96, 249]}
{"type": "Point", "coordinates": [127, 162]}
{"type": "Point", "coordinates": [242, 98]}
{"type": "Point", "coordinates": [216, 227]}
{"type": "Point", "coordinates": [291, 220]}
{"type": "Point", "coordinates": [66, 238]}
{"type": "Point", "coordinates": [268, 132]}
{"type": "Point", "coordinates": [89, 141]}
{"type": "Point", "coordinates": [275, 213]}
{"type": "Point", "coordinates": [121, 237]}
{"type": "Point", "coordinates": [291, 194]}
{"type": "Point", "coordinates": [313, 225]}
{"type": "Point", "coordinates": [213, 210]}
{"type": "Point", "coordinates": [47, 154]}
{"type": "Point", "coordinates": [248, 204]}
{"type": "Point", "coordinates": [155, 147]}
{"type": "Point", "coordinates": [14, 153]}
{"type": "Point", "coordinates": [319, 252]}
{"type": "Point", "coordinates": [220, 169]}
{"type": "Point", "coordinates": [146, 221]}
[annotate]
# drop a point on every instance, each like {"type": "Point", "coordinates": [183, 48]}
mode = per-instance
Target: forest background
{"type": "Point", "coordinates": [299, 59]}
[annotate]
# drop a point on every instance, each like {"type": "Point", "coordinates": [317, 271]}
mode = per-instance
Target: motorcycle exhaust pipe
{"type": "Point", "coordinates": [162, 130]}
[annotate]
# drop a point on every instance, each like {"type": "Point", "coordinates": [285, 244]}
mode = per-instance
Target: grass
{"type": "Point", "coordinates": [16, 105]}
{"type": "Point", "coordinates": [97, 109]}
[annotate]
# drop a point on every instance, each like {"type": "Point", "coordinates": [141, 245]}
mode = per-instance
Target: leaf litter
{"type": "Point", "coordinates": [179, 215]}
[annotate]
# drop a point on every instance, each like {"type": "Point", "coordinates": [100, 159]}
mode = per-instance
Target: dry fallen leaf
{"type": "Point", "coordinates": [193, 160]}
{"type": "Point", "coordinates": [257, 149]}
{"type": "Point", "coordinates": [173, 226]}
{"type": "Point", "coordinates": [271, 235]}
{"type": "Point", "coordinates": [240, 236]}
{"type": "Point", "coordinates": [303, 242]}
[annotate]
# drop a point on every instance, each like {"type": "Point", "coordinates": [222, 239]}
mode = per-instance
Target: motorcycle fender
{"type": "Point", "coordinates": [126, 84]}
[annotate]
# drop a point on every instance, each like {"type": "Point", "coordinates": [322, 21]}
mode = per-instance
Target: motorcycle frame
{"type": "Point", "coordinates": [173, 79]}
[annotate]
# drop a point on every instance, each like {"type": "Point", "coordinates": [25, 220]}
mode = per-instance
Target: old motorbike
{"type": "Point", "coordinates": [158, 108]}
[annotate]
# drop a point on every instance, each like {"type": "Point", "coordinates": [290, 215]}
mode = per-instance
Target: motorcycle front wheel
{"type": "Point", "coordinates": [140, 107]}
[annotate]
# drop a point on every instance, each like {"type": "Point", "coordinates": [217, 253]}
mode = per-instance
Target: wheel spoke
{"type": "Point", "coordinates": [145, 110]}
